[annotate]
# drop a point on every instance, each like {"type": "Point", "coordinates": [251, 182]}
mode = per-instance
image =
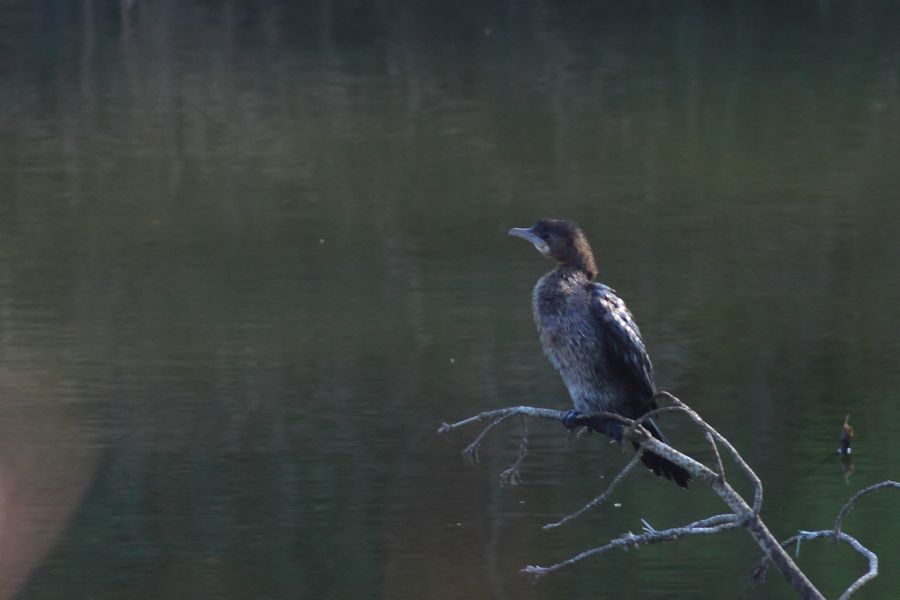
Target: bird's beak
{"type": "Point", "coordinates": [527, 234]}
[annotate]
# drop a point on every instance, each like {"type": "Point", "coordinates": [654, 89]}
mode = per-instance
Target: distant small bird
{"type": "Point", "coordinates": [846, 437]}
{"type": "Point", "coordinates": [590, 337]}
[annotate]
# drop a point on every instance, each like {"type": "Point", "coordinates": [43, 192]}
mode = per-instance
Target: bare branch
{"type": "Point", "coordinates": [759, 572]}
{"type": "Point", "coordinates": [736, 456]}
{"type": "Point", "coordinates": [500, 415]}
{"type": "Point", "coordinates": [871, 574]}
{"type": "Point", "coordinates": [720, 468]}
{"type": "Point", "coordinates": [715, 520]}
{"type": "Point", "coordinates": [654, 413]}
{"type": "Point", "coordinates": [471, 451]}
{"type": "Point", "coordinates": [744, 515]}
{"type": "Point", "coordinates": [651, 536]}
{"type": "Point", "coordinates": [599, 499]}
{"type": "Point", "coordinates": [835, 534]}
{"type": "Point", "coordinates": [641, 436]}
{"type": "Point", "coordinates": [680, 407]}
{"type": "Point", "coordinates": [852, 501]}
{"type": "Point", "coordinates": [511, 475]}
{"type": "Point", "coordinates": [528, 411]}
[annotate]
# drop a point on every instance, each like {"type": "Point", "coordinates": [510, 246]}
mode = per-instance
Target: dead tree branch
{"type": "Point", "coordinates": [743, 513]}
{"type": "Point", "coordinates": [511, 475]}
{"type": "Point", "coordinates": [848, 506]}
{"type": "Point", "coordinates": [835, 534]}
{"type": "Point", "coordinates": [602, 497]}
{"type": "Point", "coordinates": [650, 536]}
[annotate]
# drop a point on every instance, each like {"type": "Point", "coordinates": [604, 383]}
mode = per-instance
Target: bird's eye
{"type": "Point", "coordinates": [544, 235]}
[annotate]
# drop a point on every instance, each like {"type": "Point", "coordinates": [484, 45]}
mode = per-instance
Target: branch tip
{"type": "Point", "coordinates": [743, 516]}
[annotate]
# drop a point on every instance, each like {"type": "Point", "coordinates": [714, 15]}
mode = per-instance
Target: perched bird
{"type": "Point", "coordinates": [846, 437]}
{"type": "Point", "coordinates": [591, 338]}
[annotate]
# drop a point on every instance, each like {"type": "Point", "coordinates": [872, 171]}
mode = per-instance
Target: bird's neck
{"type": "Point", "coordinates": [581, 267]}
{"type": "Point", "coordinates": [564, 277]}
{"type": "Point", "coordinates": [580, 261]}
{"type": "Point", "coordinates": [556, 288]}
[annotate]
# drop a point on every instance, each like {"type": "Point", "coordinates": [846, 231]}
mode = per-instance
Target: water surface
{"type": "Point", "coordinates": [252, 254]}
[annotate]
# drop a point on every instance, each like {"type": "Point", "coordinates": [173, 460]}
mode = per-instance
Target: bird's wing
{"type": "Point", "coordinates": [623, 346]}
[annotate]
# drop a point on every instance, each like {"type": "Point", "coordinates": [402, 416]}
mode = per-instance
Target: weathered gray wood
{"type": "Point", "coordinates": [743, 514]}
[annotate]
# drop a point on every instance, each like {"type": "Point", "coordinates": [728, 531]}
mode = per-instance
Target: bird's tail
{"type": "Point", "coordinates": [659, 465]}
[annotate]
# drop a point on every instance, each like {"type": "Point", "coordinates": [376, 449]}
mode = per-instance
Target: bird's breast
{"type": "Point", "coordinates": [569, 340]}
{"type": "Point", "coordinates": [573, 354]}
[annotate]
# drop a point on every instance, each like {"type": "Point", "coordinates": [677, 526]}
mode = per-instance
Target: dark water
{"type": "Point", "coordinates": [252, 254]}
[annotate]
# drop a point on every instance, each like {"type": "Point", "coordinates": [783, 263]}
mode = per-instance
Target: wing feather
{"type": "Point", "coordinates": [623, 346]}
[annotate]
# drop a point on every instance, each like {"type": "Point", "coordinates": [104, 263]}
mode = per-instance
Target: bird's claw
{"type": "Point", "coordinates": [574, 419]}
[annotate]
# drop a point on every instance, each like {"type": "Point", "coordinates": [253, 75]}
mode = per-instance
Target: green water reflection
{"type": "Point", "coordinates": [252, 254]}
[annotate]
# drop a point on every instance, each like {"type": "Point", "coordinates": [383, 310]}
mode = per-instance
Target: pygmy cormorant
{"type": "Point", "coordinates": [592, 340]}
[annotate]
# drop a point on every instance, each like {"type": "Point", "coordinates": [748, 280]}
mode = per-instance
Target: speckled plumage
{"type": "Point", "coordinates": [591, 338]}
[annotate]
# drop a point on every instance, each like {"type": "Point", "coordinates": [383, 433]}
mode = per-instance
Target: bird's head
{"type": "Point", "coordinates": [562, 241]}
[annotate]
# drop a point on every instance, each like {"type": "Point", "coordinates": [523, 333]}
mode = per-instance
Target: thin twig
{"type": "Point", "coordinates": [869, 575]}
{"type": "Point", "coordinates": [715, 520]}
{"type": "Point", "coordinates": [599, 499]}
{"type": "Point", "coordinates": [836, 534]}
{"type": "Point", "coordinates": [736, 456]}
{"type": "Point", "coordinates": [720, 468]}
{"type": "Point", "coordinates": [852, 501]}
{"type": "Point", "coordinates": [759, 572]}
{"type": "Point", "coordinates": [656, 412]}
{"type": "Point", "coordinates": [511, 475]}
{"type": "Point", "coordinates": [680, 407]}
{"type": "Point", "coordinates": [629, 540]}
{"type": "Point", "coordinates": [528, 411]}
{"type": "Point", "coordinates": [471, 451]}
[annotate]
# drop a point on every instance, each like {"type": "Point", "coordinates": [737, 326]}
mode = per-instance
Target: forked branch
{"type": "Point", "coordinates": [743, 514]}
{"type": "Point", "coordinates": [627, 540]}
{"type": "Point", "coordinates": [835, 534]}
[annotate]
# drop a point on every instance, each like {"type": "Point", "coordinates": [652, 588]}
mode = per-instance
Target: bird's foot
{"type": "Point", "coordinates": [574, 419]}
{"type": "Point", "coordinates": [609, 427]}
